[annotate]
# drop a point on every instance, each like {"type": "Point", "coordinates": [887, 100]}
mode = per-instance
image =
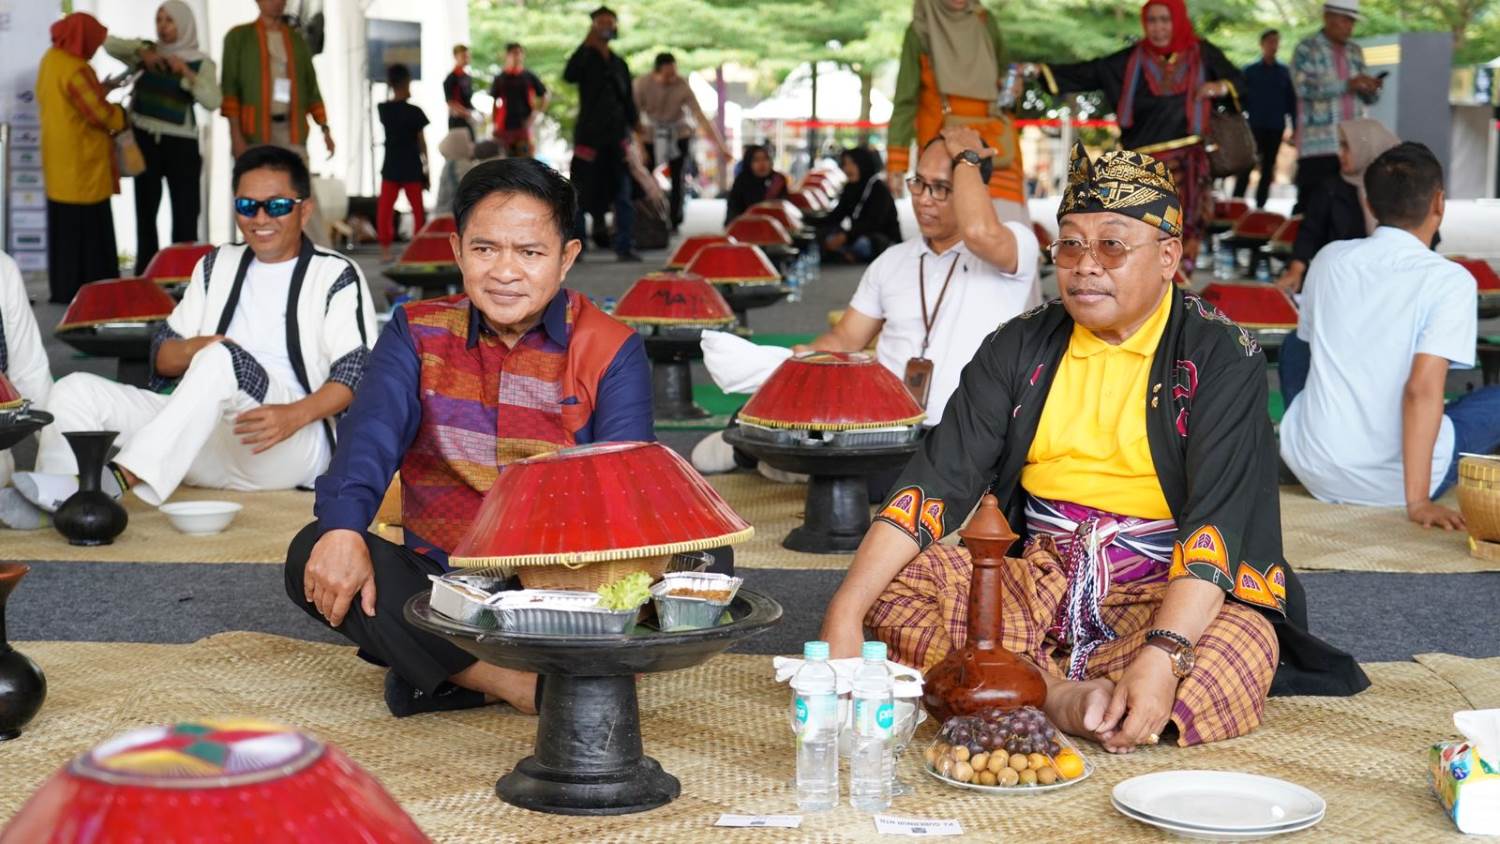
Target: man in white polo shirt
{"type": "Point", "coordinates": [1386, 318]}
{"type": "Point", "coordinates": [933, 299]}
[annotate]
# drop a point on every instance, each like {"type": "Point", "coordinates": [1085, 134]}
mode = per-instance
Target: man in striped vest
{"type": "Point", "coordinates": [457, 388]}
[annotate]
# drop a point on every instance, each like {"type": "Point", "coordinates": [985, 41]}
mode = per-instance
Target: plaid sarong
{"type": "Point", "coordinates": [924, 613]}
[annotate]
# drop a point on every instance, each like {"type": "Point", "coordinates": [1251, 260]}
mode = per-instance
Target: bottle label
{"type": "Point", "coordinates": [874, 718]}
{"type": "Point", "coordinates": [816, 712]}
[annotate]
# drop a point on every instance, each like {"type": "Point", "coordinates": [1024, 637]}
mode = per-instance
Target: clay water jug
{"type": "Point", "coordinates": [981, 674]}
{"type": "Point", "coordinates": [90, 516]}
{"type": "Point", "coordinates": [23, 687]}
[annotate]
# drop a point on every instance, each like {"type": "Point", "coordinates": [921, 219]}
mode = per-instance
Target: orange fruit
{"type": "Point", "coordinates": [1069, 764]}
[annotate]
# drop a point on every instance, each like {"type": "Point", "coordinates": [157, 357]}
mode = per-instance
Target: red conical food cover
{"type": "Point", "coordinates": [690, 248]}
{"type": "Point", "coordinates": [758, 231]}
{"type": "Point", "coordinates": [592, 503]}
{"type": "Point", "coordinates": [443, 224]}
{"type": "Point", "coordinates": [779, 210]}
{"type": "Point", "coordinates": [809, 202]}
{"type": "Point", "coordinates": [832, 391]}
{"type": "Point", "coordinates": [428, 249]}
{"type": "Point", "coordinates": [117, 300]}
{"type": "Point", "coordinates": [1230, 210]}
{"type": "Point", "coordinates": [10, 397]}
{"type": "Point", "coordinates": [229, 780]}
{"type": "Point", "coordinates": [734, 263]}
{"type": "Point", "coordinates": [1484, 274]}
{"type": "Point", "coordinates": [1258, 224]}
{"type": "Point", "coordinates": [673, 299]}
{"type": "Point", "coordinates": [174, 264]}
{"type": "Point", "coordinates": [1252, 305]}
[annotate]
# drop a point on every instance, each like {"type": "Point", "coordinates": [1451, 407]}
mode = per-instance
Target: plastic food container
{"type": "Point", "coordinates": [687, 613]}
{"type": "Point", "coordinates": [463, 597]}
{"type": "Point", "coordinates": [558, 612]}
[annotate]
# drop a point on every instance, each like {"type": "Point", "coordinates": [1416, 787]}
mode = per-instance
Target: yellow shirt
{"type": "Point", "coordinates": [1090, 445]}
{"type": "Point", "coordinates": [78, 157]}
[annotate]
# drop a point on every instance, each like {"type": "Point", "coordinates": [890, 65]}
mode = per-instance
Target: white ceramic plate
{"type": "Point", "coordinates": [1219, 801]}
{"type": "Point", "coordinates": [1212, 835]}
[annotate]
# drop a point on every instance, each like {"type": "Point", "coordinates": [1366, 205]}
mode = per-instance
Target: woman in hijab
{"type": "Point", "coordinates": [868, 208]}
{"type": "Point", "coordinates": [952, 67]}
{"type": "Point", "coordinates": [174, 74]}
{"type": "Point", "coordinates": [1337, 211]}
{"type": "Point", "coordinates": [1162, 90]}
{"type": "Point", "coordinates": [757, 181]}
{"type": "Point", "coordinates": [78, 158]}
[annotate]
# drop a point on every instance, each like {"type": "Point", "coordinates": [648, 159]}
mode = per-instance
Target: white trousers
{"type": "Point", "coordinates": [187, 437]}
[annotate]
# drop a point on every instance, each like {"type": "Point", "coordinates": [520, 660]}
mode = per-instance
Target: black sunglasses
{"type": "Point", "coordinates": [278, 206]}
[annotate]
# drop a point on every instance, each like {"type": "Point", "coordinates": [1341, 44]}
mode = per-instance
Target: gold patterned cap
{"type": "Point", "coordinates": [1125, 182]}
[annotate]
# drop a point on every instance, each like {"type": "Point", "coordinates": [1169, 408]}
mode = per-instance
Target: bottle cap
{"type": "Point", "coordinates": [815, 650]}
{"type": "Point", "coordinates": [873, 650]}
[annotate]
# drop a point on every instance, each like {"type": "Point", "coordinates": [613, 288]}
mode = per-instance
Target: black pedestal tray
{"type": "Point", "coordinates": [837, 512]}
{"type": "Point", "coordinates": [588, 758]}
{"type": "Point", "coordinates": [16, 426]}
{"type": "Point", "coordinates": [743, 298]}
{"type": "Point", "coordinates": [672, 352]}
{"type": "Point", "coordinates": [129, 344]}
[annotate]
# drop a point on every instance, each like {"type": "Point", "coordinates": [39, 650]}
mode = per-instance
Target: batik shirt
{"type": "Point", "coordinates": [1321, 71]}
{"type": "Point", "coordinates": [1211, 445]}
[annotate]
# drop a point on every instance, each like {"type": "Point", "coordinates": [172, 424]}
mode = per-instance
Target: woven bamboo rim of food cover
{"type": "Point", "coordinates": [90, 323]}
{"type": "Point", "coordinates": [1482, 471]}
{"type": "Point", "coordinates": [831, 426]}
{"type": "Point", "coordinates": [579, 559]}
{"type": "Point", "coordinates": [13, 404]}
{"type": "Point", "coordinates": [652, 320]}
{"type": "Point", "coordinates": [1484, 550]}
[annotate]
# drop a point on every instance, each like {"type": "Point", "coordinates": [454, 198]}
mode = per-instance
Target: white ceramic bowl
{"type": "Point", "coordinates": [200, 517]}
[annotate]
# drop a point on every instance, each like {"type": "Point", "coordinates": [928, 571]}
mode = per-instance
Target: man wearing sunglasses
{"type": "Point", "coordinates": [265, 349]}
{"type": "Point", "coordinates": [1124, 430]}
{"type": "Point", "coordinates": [933, 299]}
{"type": "Point", "coordinates": [457, 388]}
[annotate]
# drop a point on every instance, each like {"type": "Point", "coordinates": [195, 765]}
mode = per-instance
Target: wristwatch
{"type": "Point", "coordinates": [968, 156]}
{"type": "Point", "coordinates": [1178, 648]}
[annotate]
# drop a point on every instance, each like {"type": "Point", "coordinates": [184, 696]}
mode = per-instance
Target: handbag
{"type": "Point", "coordinates": [1231, 145]}
{"type": "Point", "coordinates": [129, 159]}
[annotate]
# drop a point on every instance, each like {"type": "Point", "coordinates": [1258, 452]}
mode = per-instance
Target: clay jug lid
{"type": "Point", "coordinates": [988, 523]}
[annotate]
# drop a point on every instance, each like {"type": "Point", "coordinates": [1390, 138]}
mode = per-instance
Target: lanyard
{"type": "Point", "coordinates": [928, 321]}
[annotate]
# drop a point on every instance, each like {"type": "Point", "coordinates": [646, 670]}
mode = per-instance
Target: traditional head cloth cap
{"type": "Point", "coordinates": [1124, 182]}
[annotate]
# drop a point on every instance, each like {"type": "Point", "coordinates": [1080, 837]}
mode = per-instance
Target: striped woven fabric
{"type": "Point", "coordinates": [924, 613]}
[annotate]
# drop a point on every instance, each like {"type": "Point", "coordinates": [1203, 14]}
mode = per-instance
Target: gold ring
{"type": "Point", "coordinates": [1153, 738]}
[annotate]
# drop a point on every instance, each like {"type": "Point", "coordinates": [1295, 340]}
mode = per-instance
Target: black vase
{"type": "Point", "coordinates": [90, 516]}
{"type": "Point", "coordinates": [23, 687]}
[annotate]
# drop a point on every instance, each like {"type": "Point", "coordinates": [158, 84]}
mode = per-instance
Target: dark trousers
{"type": "Point", "coordinates": [178, 161]}
{"type": "Point", "coordinates": [422, 659]}
{"type": "Point", "coordinates": [1293, 362]}
{"type": "Point", "coordinates": [602, 185]}
{"type": "Point", "coordinates": [1267, 144]}
{"type": "Point", "coordinates": [80, 247]}
{"type": "Point", "coordinates": [1312, 173]}
{"type": "Point", "coordinates": [677, 170]}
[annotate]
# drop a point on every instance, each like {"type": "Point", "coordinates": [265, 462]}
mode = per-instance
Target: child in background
{"type": "Point", "coordinates": [405, 165]}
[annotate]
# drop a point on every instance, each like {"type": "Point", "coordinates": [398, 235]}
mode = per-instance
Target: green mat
{"type": "Point", "coordinates": [722, 405]}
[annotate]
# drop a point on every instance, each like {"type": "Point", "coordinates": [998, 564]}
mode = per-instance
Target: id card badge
{"type": "Point", "coordinates": [918, 379]}
{"type": "Point", "coordinates": [281, 91]}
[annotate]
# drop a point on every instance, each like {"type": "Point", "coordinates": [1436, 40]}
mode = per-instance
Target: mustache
{"type": "Point", "coordinates": [1083, 289]}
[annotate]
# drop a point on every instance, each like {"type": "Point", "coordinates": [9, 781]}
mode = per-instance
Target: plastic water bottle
{"type": "Point", "coordinates": [1224, 264]}
{"type": "Point", "coordinates": [1262, 269]}
{"type": "Point", "coordinates": [815, 711]}
{"type": "Point", "coordinates": [874, 712]}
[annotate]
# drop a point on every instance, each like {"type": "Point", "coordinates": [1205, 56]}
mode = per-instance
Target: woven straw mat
{"type": "Point", "coordinates": [1344, 537]}
{"type": "Point", "coordinates": [721, 728]}
{"type": "Point", "coordinates": [260, 533]}
{"type": "Point", "coordinates": [1478, 680]}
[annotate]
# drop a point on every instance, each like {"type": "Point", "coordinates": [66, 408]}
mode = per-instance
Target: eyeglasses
{"type": "Point", "coordinates": [939, 190]}
{"type": "Point", "coordinates": [1108, 252]}
{"type": "Point", "coordinates": [278, 206]}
